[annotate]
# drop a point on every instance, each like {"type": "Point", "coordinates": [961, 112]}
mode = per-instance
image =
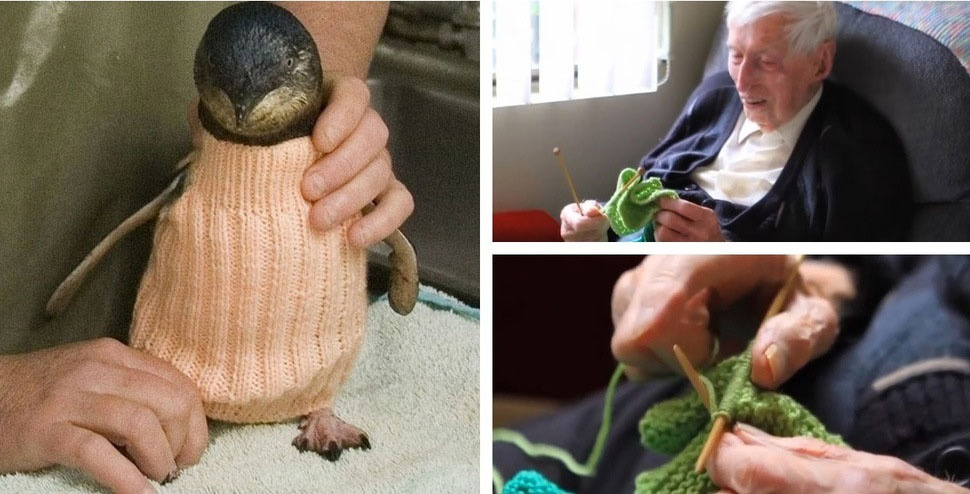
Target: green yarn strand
{"type": "Point", "coordinates": [546, 450]}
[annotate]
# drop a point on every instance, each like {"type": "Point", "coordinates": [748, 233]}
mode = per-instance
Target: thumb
{"type": "Point", "coordinates": [788, 341]}
{"type": "Point", "coordinates": [592, 209]}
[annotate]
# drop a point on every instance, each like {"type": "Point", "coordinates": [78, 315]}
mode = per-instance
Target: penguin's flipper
{"type": "Point", "coordinates": [403, 291]}
{"type": "Point", "coordinates": [66, 290]}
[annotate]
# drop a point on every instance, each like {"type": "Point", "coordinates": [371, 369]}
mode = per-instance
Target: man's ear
{"type": "Point", "coordinates": [825, 58]}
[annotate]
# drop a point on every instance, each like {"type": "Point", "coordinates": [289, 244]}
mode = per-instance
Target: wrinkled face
{"type": "Point", "coordinates": [773, 81]}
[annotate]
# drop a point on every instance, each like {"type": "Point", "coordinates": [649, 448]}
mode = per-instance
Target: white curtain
{"type": "Point", "coordinates": [586, 48]}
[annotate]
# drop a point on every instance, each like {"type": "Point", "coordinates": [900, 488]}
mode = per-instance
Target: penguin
{"type": "Point", "coordinates": [263, 312]}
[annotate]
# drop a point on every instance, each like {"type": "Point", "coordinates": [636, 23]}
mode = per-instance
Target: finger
{"type": "Point", "coordinates": [197, 432]}
{"type": "Point", "coordinates": [788, 341]}
{"type": "Point", "coordinates": [196, 439]}
{"type": "Point", "coordinates": [687, 209]}
{"type": "Point", "coordinates": [170, 404]}
{"type": "Point", "coordinates": [356, 153]}
{"type": "Point", "coordinates": [662, 233]}
{"type": "Point", "coordinates": [653, 353]}
{"type": "Point", "coordinates": [570, 214]}
{"type": "Point", "coordinates": [591, 209]}
{"type": "Point", "coordinates": [673, 221]}
{"type": "Point", "coordinates": [804, 446]}
{"type": "Point", "coordinates": [92, 453]}
{"type": "Point", "coordinates": [132, 426]}
{"type": "Point", "coordinates": [351, 197]}
{"type": "Point", "coordinates": [393, 206]}
{"type": "Point", "coordinates": [347, 104]}
{"type": "Point", "coordinates": [749, 469]}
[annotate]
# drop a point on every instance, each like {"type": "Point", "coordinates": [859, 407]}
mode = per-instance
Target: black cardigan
{"type": "Point", "coordinates": [846, 178]}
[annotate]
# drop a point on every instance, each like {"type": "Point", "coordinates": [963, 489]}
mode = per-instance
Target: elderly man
{"type": "Point", "coordinates": [804, 160]}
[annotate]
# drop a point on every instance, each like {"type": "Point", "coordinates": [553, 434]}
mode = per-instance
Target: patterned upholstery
{"type": "Point", "coordinates": [946, 22]}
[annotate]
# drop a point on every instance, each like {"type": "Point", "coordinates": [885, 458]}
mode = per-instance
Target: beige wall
{"type": "Point", "coordinates": [598, 136]}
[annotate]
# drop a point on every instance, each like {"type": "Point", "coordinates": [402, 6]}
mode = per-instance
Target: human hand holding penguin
{"type": "Point", "coordinates": [354, 168]}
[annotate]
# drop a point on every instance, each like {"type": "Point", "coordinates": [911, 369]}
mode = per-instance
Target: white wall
{"type": "Point", "coordinates": [597, 136]}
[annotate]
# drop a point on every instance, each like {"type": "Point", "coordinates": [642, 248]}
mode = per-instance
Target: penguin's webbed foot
{"type": "Point", "coordinates": [327, 435]}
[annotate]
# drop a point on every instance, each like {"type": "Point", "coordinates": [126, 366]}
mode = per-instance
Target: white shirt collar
{"type": "Point", "coordinates": [790, 130]}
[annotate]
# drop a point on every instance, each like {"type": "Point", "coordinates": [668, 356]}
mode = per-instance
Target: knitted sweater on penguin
{"type": "Point", "coordinates": [265, 314]}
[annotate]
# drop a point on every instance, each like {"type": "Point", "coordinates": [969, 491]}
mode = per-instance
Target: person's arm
{"type": "Point", "coordinates": [346, 33]}
{"type": "Point", "coordinates": [356, 167]}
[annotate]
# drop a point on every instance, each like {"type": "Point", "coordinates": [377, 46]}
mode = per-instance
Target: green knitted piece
{"type": "Point", "coordinates": [633, 209]}
{"type": "Point", "coordinates": [680, 426]}
{"type": "Point", "coordinates": [531, 482]}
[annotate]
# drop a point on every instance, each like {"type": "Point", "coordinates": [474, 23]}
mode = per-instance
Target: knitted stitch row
{"type": "Point", "coordinates": [265, 314]}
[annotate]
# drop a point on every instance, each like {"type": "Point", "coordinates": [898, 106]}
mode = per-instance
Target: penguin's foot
{"type": "Point", "coordinates": [324, 433]}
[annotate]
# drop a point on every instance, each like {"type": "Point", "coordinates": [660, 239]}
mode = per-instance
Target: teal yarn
{"type": "Point", "coordinates": [531, 482]}
{"type": "Point", "coordinates": [680, 426]}
{"type": "Point", "coordinates": [633, 209]}
{"type": "Point", "coordinates": [533, 450]}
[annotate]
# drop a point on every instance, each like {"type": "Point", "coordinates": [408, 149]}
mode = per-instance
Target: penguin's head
{"type": "Point", "coordinates": [258, 74]}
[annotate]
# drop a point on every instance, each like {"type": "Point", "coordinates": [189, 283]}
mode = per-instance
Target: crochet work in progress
{"type": "Point", "coordinates": [632, 210]}
{"type": "Point", "coordinates": [263, 313]}
{"type": "Point", "coordinates": [680, 426]}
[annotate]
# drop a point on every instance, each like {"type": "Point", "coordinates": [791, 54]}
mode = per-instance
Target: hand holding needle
{"type": "Point", "coordinates": [717, 430]}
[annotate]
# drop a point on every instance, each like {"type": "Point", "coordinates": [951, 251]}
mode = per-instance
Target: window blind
{"type": "Point", "coordinates": [555, 50]}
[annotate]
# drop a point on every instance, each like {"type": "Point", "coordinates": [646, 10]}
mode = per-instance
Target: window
{"type": "Point", "coordinates": [556, 50]}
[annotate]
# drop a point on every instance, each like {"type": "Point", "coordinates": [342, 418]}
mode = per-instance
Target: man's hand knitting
{"type": "Point", "coordinates": [668, 300]}
{"type": "Point", "coordinates": [750, 461]}
{"type": "Point", "coordinates": [588, 225]}
{"type": "Point", "coordinates": [101, 407]}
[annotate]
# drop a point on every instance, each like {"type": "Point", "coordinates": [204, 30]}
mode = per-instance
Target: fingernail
{"type": "Point", "coordinates": [172, 476]}
{"type": "Point", "coordinates": [754, 431]}
{"type": "Point", "coordinates": [149, 490]}
{"type": "Point", "coordinates": [776, 361]}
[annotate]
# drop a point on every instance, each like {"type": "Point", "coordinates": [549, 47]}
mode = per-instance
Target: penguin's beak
{"type": "Point", "coordinates": [242, 111]}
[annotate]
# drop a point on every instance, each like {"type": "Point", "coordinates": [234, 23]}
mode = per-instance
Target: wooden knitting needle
{"type": "Point", "coordinates": [718, 429]}
{"type": "Point", "coordinates": [569, 181]}
{"type": "Point", "coordinates": [633, 179]}
{"type": "Point", "coordinates": [694, 378]}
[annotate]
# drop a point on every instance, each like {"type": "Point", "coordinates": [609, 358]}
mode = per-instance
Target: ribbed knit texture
{"type": "Point", "coordinates": [909, 417]}
{"type": "Point", "coordinates": [680, 425]}
{"type": "Point", "coordinates": [632, 209]}
{"type": "Point", "coordinates": [264, 313]}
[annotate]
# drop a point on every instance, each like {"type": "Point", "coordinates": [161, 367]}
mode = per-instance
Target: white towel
{"type": "Point", "coordinates": [415, 390]}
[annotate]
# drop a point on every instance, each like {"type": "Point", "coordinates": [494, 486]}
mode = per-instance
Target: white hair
{"type": "Point", "coordinates": [811, 23]}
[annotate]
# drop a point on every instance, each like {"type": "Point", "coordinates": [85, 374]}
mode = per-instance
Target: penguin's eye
{"type": "Point", "coordinates": [289, 63]}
